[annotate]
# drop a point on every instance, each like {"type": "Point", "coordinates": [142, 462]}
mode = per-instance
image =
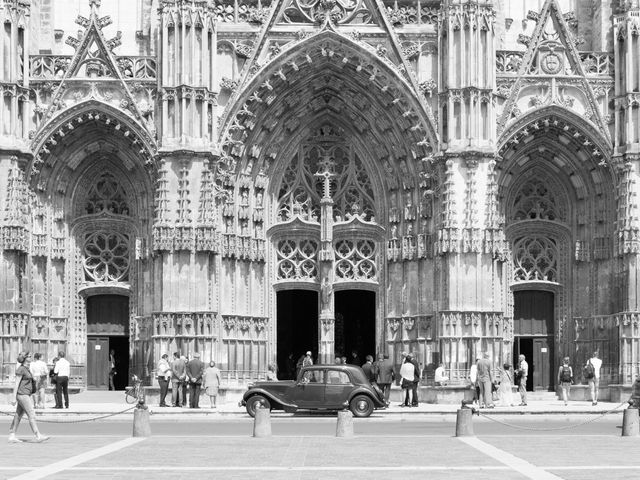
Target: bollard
{"type": "Point", "coordinates": [344, 427]}
{"type": "Point", "coordinates": [464, 425]}
{"type": "Point", "coordinates": [262, 423]}
{"type": "Point", "coordinates": [141, 423]}
{"type": "Point", "coordinates": [630, 423]}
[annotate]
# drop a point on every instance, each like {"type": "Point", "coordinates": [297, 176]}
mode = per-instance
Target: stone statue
{"type": "Point", "coordinates": [326, 290]}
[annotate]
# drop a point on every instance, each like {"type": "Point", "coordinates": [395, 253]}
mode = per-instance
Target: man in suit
{"type": "Point", "coordinates": [485, 380]}
{"type": "Point", "coordinates": [384, 375]}
{"type": "Point", "coordinates": [195, 369]}
{"type": "Point", "coordinates": [368, 369]}
{"type": "Point", "coordinates": [177, 379]}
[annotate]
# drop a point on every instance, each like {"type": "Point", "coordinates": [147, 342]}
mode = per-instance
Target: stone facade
{"type": "Point", "coordinates": [457, 159]}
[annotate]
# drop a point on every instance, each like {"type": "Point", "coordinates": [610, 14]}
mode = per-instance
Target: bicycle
{"type": "Point", "coordinates": [135, 394]}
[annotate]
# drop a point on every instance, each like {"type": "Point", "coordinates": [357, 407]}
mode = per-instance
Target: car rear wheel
{"type": "Point", "coordinates": [361, 406]}
{"type": "Point", "coordinates": [257, 401]}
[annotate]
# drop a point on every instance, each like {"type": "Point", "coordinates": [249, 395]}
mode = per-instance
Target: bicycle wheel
{"type": "Point", "coordinates": [130, 395]}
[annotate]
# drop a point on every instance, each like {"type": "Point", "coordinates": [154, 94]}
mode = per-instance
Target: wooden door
{"type": "Point", "coordinates": [543, 378]}
{"type": "Point", "coordinates": [98, 362]}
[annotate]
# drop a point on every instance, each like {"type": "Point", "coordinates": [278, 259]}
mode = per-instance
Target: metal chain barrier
{"type": "Point", "coordinates": [79, 420]}
{"type": "Point", "coordinates": [565, 427]}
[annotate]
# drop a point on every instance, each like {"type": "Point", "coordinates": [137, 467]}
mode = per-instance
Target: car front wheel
{"type": "Point", "coordinates": [361, 406]}
{"type": "Point", "coordinates": [257, 401]}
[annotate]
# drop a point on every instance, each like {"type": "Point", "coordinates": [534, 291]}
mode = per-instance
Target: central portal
{"type": "Point", "coordinates": [297, 329]}
{"type": "Point", "coordinates": [355, 325]}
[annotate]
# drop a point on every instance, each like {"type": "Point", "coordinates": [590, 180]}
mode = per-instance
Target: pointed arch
{"type": "Point", "coordinates": [99, 122]}
{"type": "Point", "coordinates": [373, 78]}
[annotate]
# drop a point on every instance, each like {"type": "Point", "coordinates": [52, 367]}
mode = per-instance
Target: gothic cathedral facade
{"type": "Point", "coordinates": [252, 179]}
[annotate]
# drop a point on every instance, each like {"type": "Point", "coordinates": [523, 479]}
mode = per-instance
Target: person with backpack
{"type": "Point", "coordinates": [592, 374]}
{"type": "Point", "coordinates": [565, 379]}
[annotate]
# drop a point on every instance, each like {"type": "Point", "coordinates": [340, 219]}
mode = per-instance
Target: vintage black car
{"type": "Point", "coordinates": [319, 387]}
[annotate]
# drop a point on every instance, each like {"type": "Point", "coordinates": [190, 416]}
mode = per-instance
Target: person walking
{"type": "Point", "coordinates": [416, 379]}
{"type": "Point", "coordinates": [369, 370]}
{"type": "Point", "coordinates": [211, 382]}
{"type": "Point", "coordinates": [385, 376]}
{"type": "Point", "coordinates": [112, 369]}
{"type": "Point", "coordinates": [40, 372]}
{"type": "Point", "coordinates": [164, 376]}
{"type": "Point", "coordinates": [523, 373]}
{"type": "Point", "coordinates": [565, 379]}
{"type": "Point", "coordinates": [407, 373]}
{"type": "Point", "coordinates": [505, 390]}
{"type": "Point", "coordinates": [592, 372]}
{"type": "Point", "coordinates": [195, 370]}
{"type": "Point", "coordinates": [21, 398]}
{"type": "Point", "coordinates": [63, 372]}
{"type": "Point", "coordinates": [177, 379]}
{"type": "Point", "coordinates": [485, 380]}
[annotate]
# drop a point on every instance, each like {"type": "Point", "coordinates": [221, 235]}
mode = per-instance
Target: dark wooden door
{"type": "Point", "coordinates": [98, 362]}
{"type": "Point", "coordinates": [543, 378]}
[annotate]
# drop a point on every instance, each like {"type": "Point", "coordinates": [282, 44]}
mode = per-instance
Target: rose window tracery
{"type": "Point", "coordinates": [106, 257]}
{"type": "Point", "coordinates": [297, 260]}
{"type": "Point", "coordinates": [535, 258]}
{"type": "Point", "coordinates": [106, 195]}
{"type": "Point", "coordinates": [355, 260]}
{"type": "Point", "coordinates": [535, 201]}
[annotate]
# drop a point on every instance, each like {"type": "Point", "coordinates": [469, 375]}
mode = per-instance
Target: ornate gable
{"type": "Point", "coordinates": [93, 62]}
{"type": "Point", "coordinates": [550, 72]}
{"type": "Point", "coordinates": [342, 16]}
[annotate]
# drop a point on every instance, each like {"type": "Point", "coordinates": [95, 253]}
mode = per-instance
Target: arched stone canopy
{"type": "Point", "coordinates": [327, 72]}
{"type": "Point", "coordinates": [68, 132]}
{"type": "Point", "coordinates": [564, 143]}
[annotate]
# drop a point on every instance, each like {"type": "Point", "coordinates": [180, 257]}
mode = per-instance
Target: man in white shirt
{"type": "Point", "coordinates": [40, 372]}
{"type": "Point", "coordinates": [523, 373]}
{"type": "Point", "coordinates": [594, 382]}
{"type": "Point", "coordinates": [440, 378]}
{"type": "Point", "coordinates": [473, 378]}
{"type": "Point", "coordinates": [63, 372]}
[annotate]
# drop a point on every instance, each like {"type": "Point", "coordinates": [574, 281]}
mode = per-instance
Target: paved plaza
{"type": "Point", "coordinates": [304, 447]}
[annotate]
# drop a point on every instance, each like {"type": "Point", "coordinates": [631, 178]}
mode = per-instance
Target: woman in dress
{"type": "Point", "coordinates": [505, 390]}
{"type": "Point", "coordinates": [211, 382]}
{"type": "Point", "coordinates": [22, 391]}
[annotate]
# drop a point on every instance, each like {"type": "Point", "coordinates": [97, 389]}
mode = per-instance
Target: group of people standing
{"type": "Point", "coordinates": [490, 390]}
{"type": "Point", "coordinates": [187, 379]}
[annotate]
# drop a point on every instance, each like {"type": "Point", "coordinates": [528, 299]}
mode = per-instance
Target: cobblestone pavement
{"type": "Point", "coordinates": [391, 451]}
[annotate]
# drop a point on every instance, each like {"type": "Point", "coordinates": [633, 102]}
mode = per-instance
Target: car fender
{"type": "Point", "coordinates": [260, 391]}
{"type": "Point", "coordinates": [368, 393]}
